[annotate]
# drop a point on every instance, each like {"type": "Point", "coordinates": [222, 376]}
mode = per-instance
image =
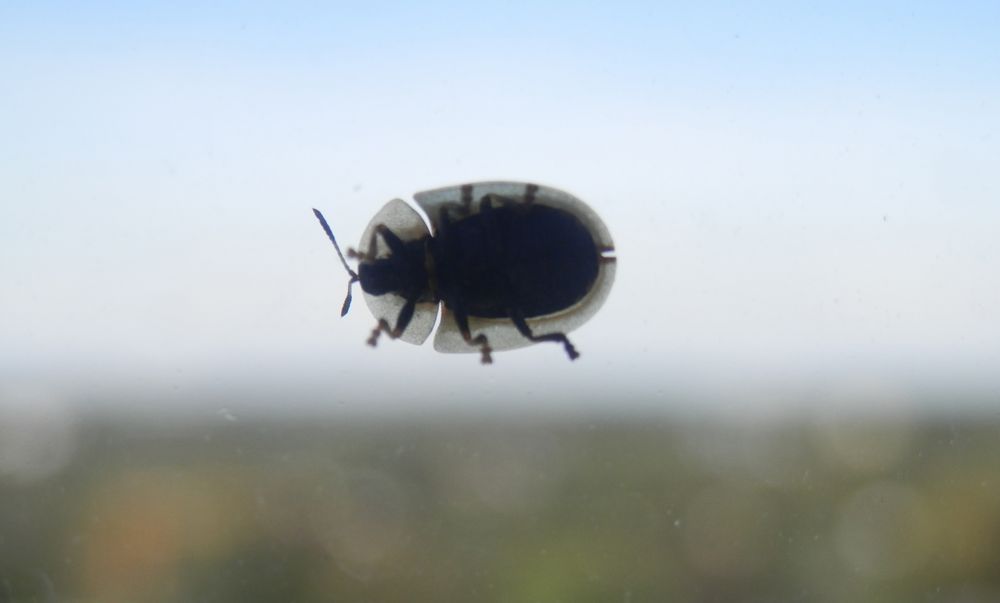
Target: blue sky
{"type": "Point", "coordinates": [797, 194]}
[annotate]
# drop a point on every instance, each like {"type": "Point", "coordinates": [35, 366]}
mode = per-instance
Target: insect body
{"type": "Point", "coordinates": [510, 264]}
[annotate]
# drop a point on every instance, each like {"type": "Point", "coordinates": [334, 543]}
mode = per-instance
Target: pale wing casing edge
{"type": "Point", "coordinates": [408, 225]}
{"type": "Point", "coordinates": [501, 332]}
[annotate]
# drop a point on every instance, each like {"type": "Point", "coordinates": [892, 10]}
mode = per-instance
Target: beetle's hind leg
{"type": "Point", "coordinates": [522, 326]}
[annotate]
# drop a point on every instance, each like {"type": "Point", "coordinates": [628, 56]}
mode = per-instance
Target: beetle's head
{"type": "Point", "coordinates": [401, 273]}
{"type": "Point", "coordinates": [379, 277]}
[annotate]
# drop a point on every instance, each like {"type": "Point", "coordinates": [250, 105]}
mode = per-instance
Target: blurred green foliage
{"type": "Point", "coordinates": [327, 509]}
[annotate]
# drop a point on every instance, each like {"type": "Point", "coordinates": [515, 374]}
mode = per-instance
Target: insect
{"type": "Point", "coordinates": [509, 263]}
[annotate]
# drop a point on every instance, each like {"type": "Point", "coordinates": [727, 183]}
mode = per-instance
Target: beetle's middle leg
{"type": "Point", "coordinates": [491, 200]}
{"type": "Point", "coordinates": [522, 326]}
{"type": "Point", "coordinates": [527, 199]}
{"type": "Point", "coordinates": [484, 345]}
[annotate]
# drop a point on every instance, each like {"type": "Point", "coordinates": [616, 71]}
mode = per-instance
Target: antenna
{"type": "Point", "coordinates": [354, 275]}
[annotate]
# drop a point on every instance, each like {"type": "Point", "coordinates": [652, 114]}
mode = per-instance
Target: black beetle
{"type": "Point", "coordinates": [511, 263]}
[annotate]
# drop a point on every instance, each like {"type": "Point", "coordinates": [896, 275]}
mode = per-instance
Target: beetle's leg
{"type": "Point", "coordinates": [381, 326]}
{"type": "Point", "coordinates": [402, 321]}
{"type": "Point", "coordinates": [395, 244]}
{"type": "Point", "coordinates": [443, 218]}
{"type": "Point", "coordinates": [393, 241]}
{"type": "Point", "coordinates": [529, 193]}
{"type": "Point", "coordinates": [522, 326]}
{"type": "Point", "coordinates": [467, 197]}
{"type": "Point", "coordinates": [463, 325]}
{"type": "Point", "coordinates": [490, 200]}
{"type": "Point", "coordinates": [487, 201]}
{"type": "Point", "coordinates": [368, 256]}
{"type": "Point", "coordinates": [463, 208]}
{"type": "Point", "coordinates": [404, 317]}
{"type": "Point", "coordinates": [354, 254]}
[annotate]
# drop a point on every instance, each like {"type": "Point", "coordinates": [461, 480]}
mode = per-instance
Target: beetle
{"type": "Point", "coordinates": [509, 263]}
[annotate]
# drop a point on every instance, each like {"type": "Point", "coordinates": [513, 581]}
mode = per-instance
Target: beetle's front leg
{"type": "Point", "coordinates": [392, 240]}
{"type": "Point", "coordinates": [382, 325]}
{"type": "Point", "coordinates": [402, 321]}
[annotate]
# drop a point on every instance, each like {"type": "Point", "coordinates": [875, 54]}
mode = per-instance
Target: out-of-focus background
{"type": "Point", "coordinates": [792, 393]}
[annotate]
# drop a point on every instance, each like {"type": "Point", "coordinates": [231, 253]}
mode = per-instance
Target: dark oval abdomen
{"type": "Point", "coordinates": [532, 258]}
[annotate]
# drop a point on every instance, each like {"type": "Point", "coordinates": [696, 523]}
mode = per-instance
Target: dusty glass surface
{"type": "Point", "coordinates": [790, 394]}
